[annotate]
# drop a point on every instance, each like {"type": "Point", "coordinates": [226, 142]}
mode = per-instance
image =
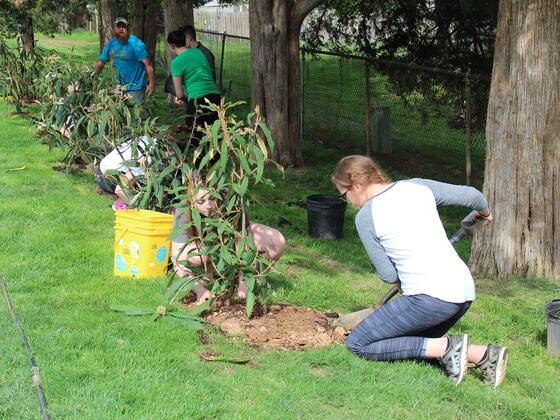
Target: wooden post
{"type": "Point", "coordinates": [468, 140]}
{"type": "Point", "coordinates": [368, 111]}
{"type": "Point", "coordinates": [222, 62]}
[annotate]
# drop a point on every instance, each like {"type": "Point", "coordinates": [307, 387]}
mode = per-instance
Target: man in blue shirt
{"type": "Point", "coordinates": [129, 55]}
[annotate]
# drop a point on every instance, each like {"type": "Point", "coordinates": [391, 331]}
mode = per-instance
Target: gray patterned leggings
{"type": "Point", "coordinates": [400, 329]}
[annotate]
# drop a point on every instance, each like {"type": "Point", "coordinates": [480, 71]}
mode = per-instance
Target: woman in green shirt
{"type": "Point", "coordinates": [190, 69]}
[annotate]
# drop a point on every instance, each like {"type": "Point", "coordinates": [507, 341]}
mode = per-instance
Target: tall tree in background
{"type": "Point", "coordinates": [452, 35]}
{"type": "Point", "coordinates": [275, 70]}
{"type": "Point", "coordinates": [455, 35]}
{"type": "Point", "coordinates": [176, 13]}
{"type": "Point", "coordinates": [522, 180]}
{"type": "Point", "coordinates": [107, 15]}
{"type": "Point", "coordinates": [25, 23]}
{"type": "Point", "coordinates": [143, 20]}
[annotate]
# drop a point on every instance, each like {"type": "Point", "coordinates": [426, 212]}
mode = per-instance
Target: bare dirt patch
{"type": "Point", "coordinates": [280, 326]}
{"type": "Point", "coordinates": [51, 42]}
{"type": "Point", "coordinates": [99, 191]}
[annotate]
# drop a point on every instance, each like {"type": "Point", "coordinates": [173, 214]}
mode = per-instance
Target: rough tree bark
{"type": "Point", "coordinates": [25, 22]}
{"type": "Point", "coordinates": [27, 33]}
{"type": "Point", "coordinates": [522, 179]}
{"type": "Point", "coordinates": [275, 70]}
{"type": "Point", "coordinates": [107, 15]}
{"type": "Point", "coordinates": [143, 15]}
{"type": "Point", "coordinates": [176, 13]}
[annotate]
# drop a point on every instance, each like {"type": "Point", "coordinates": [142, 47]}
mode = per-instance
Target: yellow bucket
{"type": "Point", "coordinates": [141, 245]}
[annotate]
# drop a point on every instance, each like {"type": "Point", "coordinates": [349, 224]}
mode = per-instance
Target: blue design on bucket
{"type": "Point", "coordinates": [134, 270]}
{"type": "Point", "coordinates": [161, 254]}
{"type": "Point", "coordinates": [120, 263]}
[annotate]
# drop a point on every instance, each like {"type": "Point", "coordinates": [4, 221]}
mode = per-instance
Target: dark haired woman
{"type": "Point", "coordinates": [190, 69]}
{"type": "Point", "coordinates": [400, 228]}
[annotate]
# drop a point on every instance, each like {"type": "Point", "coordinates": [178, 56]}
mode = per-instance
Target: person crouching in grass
{"type": "Point", "coordinates": [116, 161]}
{"type": "Point", "coordinates": [269, 242]}
{"type": "Point", "coordinates": [399, 226]}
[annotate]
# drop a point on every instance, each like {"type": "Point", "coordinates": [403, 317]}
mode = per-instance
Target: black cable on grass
{"type": "Point", "coordinates": [36, 378]}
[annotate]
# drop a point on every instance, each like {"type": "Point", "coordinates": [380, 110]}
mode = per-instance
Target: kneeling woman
{"type": "Point", "coordinates": [270, 243]}
{"type": "Point", "coordinates": [400, 228]}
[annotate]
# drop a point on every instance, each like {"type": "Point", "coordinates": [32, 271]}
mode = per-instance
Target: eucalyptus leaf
{"type": "Point", "coordinates": [224, 359]}
{"type": "Point", "coordinates": [186, 316]}
{"type": "Point", "coordinates": [184, 285]}
{"type": "Point", "coordinates": [189, 324]}
{"type": "Point", "coordinates": [268, 136]}
{"type": "Point", "coordinates": [196, 218]}
{"type": "Point", "coordinates": [132, 310]}
{"type": "Point", "coordinates": [249, 302]}
{"type": "Point", "coordinates": [249, 280]}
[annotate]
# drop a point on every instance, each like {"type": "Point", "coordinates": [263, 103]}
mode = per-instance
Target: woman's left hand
{"type": "Point", "coordinates": [485, 214]}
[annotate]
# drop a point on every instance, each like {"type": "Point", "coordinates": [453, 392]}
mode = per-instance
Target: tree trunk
{"type": "Point", "coordinates": [25, 25]}
{"type": "Point", "coordinates": [522, 180]}
{"type": "Point", "coordinates": [107, 15]}
{"type": "Point", "coordinates": [176, 13]}
{"type": "Point", "coordinates": [275, 70]}
{"type": "Point", "coordinates": [28, 37]}
{"type": "Point", "coordinates": [143, 15]}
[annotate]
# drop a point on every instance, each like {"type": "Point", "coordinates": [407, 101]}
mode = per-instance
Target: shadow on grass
{"type": "Point", "coordinates": [509, 286]}
{"type": "Point", "coordinates": [541, 336]}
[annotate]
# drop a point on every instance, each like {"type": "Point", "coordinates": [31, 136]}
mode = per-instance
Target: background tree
{"type": "Point", "coordinates": [456, 36]}
{"type": "Point", "coordinates": [275, 68]}
{"type": "Point", "coordinates": [25, 16]}
{"type": "Point", "coordinates": [522, 180]}
{"type": "Point", "coordinates": [176, 13]}
{"type": "Point", "coordinates": [143, 23]}
{"type": "Point", "coordinates": [452, 35]}
{"type": "Point", "coordinates": [107, 15]}
{"type": "Point", "coordinates": [25, 23]}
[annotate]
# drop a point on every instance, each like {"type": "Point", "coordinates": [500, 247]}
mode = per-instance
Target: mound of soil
{"type": "Point", "coordinates": [281, 326]}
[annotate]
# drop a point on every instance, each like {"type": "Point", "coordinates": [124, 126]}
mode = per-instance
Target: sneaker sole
{"type": "Point", "coordinates": [464, 359]}
{"type": "Point", "coordinates": [501, 366]}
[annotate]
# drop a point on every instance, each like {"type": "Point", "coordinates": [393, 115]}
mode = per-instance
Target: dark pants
{"type": "Point", "coordinates": [199, 115]}
{"type": "Point", "coordinates": [400, 329]}
{"type": "Point", "coordinates": [104, 183]}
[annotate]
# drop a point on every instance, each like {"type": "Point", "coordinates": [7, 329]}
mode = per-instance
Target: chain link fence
{"type": "Point", "coordinates": [374, 106]}
{"type": "Point", "coordinates": [378, 106]}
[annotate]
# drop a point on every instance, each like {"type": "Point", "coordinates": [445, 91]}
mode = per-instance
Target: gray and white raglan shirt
{"type": "Point", "coordinates": [405, 239]}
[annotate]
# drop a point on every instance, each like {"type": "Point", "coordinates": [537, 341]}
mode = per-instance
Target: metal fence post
{"type": "Point", "coordinates": [222, 62]}
{"type": "Point", "coordinates": [368, 111]}
{"type": "Point", "coordinates": [468, 140]}
{"type": "Point", "coordinates": [301, 93]}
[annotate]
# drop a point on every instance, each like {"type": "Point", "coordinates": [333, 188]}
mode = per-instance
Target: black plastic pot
{"type": "Point", "coordinates": [325, 216]}
{"type": "Point", "coordinates": [553, 314]}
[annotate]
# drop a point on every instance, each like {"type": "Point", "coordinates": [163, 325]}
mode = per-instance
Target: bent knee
{"type": "Point", "coordinates": [353, 345]}
{"type": "Point", "coordinates": [278, 247]}
{"type": "Point", "coordinates": [198, 261]}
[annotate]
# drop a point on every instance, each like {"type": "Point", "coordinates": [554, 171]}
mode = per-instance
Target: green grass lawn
{"type": "Point", "coordinates": [57, 236]}
{"type": "Point", "coordinates": [83, 45]}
